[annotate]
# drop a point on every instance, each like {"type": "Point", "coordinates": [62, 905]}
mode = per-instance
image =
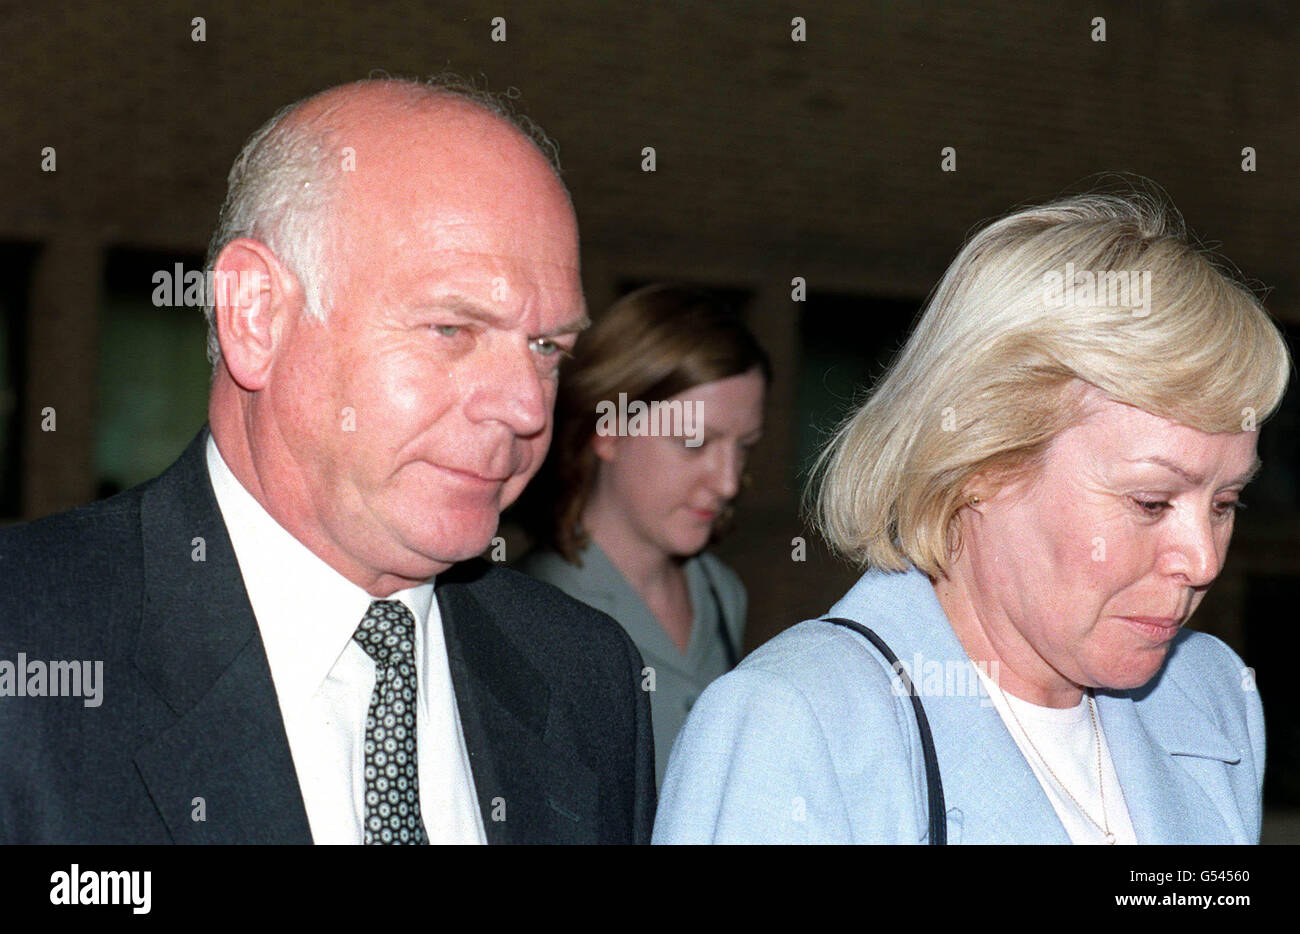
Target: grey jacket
{"type": "Point", "coordinates": [678, 679]}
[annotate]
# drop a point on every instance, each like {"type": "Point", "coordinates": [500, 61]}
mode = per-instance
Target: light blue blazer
{"type": "Point", "coordinates": [811, 740]}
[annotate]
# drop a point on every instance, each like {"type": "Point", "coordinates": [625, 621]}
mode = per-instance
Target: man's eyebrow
{"type": "Point", "coordinates": [571, 327]}
{"type": "Point", "coordinates": [465, 306]}
{"type": "Point", "coordinates": [1194, 479]}
{"type": "Point", "coordinates": [469, 308]}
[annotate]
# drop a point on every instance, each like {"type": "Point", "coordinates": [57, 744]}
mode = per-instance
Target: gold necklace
{"type": "Point", "coordinates": [1101, 786]}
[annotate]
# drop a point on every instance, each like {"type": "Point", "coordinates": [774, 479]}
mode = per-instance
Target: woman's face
{"type": "Point", "coordinates": [1083, 574]}
{"type": "Point", "coordinates": [669, 494]}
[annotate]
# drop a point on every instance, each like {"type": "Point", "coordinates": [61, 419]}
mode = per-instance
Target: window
{"type": "Point", "coordinates": [15, 278]}
{"type": "Point", "coordinates": [154, 374]}
{"type": "Point", "coordinates": [847, 343]}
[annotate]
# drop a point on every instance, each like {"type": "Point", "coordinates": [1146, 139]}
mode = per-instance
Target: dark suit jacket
{"type": "Point", "coordinates": [557, 727]}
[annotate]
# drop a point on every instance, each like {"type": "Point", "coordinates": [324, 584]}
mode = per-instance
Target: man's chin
{"type": "Point", "coordinates": [452, 547]}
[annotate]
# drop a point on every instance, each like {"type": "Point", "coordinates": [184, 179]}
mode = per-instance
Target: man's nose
{"type": "Point", "coordinates": [512, 392]}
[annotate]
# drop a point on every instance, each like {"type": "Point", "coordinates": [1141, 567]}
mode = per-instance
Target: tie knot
{"type": "Point", "coordinates": [387, 632]}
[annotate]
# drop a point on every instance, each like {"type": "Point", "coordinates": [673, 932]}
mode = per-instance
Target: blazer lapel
{"type": "Point", "coordinates": [1167, 802]}
{"type": "Point", "coordinates": [224, 757]}
{"type": "Point", "coordinates": [991, 793]}
{"type": "Point", "coordinates": [1159, 739]}
{"type": "Point", "coordinates": [986, 780]}
{"type": "Point", "coordinates": [530, 788]}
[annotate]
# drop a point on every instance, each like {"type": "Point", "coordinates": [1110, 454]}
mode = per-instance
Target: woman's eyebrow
{"type": "Point", "coordinates": [1195, 479]}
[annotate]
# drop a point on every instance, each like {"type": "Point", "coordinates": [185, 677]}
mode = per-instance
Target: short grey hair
{"type": "Point", "coordinates": [284, 179]}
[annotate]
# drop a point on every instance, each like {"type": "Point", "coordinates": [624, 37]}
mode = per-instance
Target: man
{"type": "Point", "coordinates": [396, 275]}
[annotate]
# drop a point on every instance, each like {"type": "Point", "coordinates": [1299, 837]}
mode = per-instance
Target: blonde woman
{"type": "Point", "coordinates": [1041, 489]}
{"type": "Point", "coordinates": [656, 415]}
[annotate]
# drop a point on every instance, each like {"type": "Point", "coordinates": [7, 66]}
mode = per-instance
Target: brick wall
{"type": "Point", "coordinates": [775, 158]}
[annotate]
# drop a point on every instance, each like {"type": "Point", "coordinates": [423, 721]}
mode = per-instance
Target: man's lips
{"type": "Point", "coordinates": [1155, 628]}
{"type": "Point", "coordinates": [472, 477]}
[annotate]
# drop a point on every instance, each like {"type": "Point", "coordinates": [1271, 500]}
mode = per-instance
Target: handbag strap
{"type": "Point", "coordinates": [934, 785]}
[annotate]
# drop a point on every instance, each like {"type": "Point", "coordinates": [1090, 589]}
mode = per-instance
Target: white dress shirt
{"type": "Point", "coordinates": [307, 612]}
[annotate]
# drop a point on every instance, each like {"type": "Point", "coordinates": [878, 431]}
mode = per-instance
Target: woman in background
{"type": "Point", "coordinates": [655, 416]}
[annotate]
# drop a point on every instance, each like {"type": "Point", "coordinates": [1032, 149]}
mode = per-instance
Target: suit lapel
{"type": "Point", "coordinates": [529, 787]}
{"type": "Point", "coordinates": [200, 650]}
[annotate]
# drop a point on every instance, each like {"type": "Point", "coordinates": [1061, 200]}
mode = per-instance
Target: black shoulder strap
{"type": "Point", "coordinates": [934, 785]}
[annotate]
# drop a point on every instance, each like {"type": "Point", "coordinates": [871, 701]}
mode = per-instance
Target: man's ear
{"type": "Point", "coordinates": [257, 299]}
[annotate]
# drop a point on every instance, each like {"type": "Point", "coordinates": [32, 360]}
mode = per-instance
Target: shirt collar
{"type": "Point", "coordinates": [306, 611]}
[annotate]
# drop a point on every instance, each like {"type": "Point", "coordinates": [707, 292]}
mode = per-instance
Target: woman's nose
{"type": "Point", "coordinates": [725, 471]}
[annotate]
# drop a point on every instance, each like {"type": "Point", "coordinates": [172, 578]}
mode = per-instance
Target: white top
{"type": "Point", "coordinates": [1066, 739]}
{"type": "Point", "coordinates": [307, 612]}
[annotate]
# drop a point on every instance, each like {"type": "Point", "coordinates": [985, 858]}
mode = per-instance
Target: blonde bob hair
{"type": "Point", "coordinates": [988, 377]}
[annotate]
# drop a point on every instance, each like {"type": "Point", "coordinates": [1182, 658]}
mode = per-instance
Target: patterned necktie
{"type": "Point", "coordinates": [387, 633]}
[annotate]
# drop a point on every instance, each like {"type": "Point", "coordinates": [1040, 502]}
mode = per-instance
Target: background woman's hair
{"type": "Point", "coordinates": [983, 384]}
{"type": "Point", "coordinates": [651, 344]}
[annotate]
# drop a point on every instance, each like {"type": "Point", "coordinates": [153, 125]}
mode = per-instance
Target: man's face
{"type": "Point", "coordinates": [423, 406]}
